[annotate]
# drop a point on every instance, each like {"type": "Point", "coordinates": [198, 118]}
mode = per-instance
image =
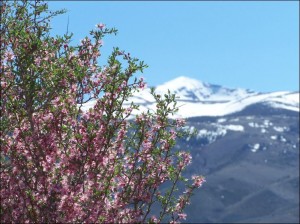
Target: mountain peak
{"type": "Point", "coordinates": [185, 79]}
{"type": "Point", "coordinates": [192, 89]}
{"type": "Point", "coordinates": [182, 82]}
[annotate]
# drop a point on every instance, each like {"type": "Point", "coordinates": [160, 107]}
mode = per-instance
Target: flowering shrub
{"type": "Point", "coordinates": [60, 164]}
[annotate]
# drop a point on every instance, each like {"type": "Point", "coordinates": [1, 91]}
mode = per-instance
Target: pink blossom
{"type": "Point", "coordinates": [154, 219]}
{"type": "Point", "coordinates": [9, 56]}
{"type": "Point", "coordinates": [180, 122]}
{"type": "Point", "coordinates": [48, 117]}
{"type": "Point", "coordinates": [173, 134]}
{"type": "Point", "coordinates": [198, 181]}
{"type": "Point", "coordinates": [3, 85]}
{"type": "Point", "coordinates": [187, 158]}
{"type": "Point", "coordinates": [182, 216]}
{"type": "Point", "coordinates": [100, 26]}
{"type": "Point", "coordinates": [146, 145]}
{"type": "Point", "coordinates": [37, 61]}
{"type": "Point", "coordinates": [142, 84]}
{"type": "Point", "coordinates": [173, 222]}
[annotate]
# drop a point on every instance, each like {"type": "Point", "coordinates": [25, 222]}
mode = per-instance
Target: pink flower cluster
{"type": "Point", "coordinates": [100, 26]}
{"type": "Point", "coordinates": [198, 181]}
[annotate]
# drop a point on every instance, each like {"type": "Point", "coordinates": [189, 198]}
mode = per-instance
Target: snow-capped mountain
{"type": "Point", "coordinates": [196, 98]}
{"type": "Point", "coordinates": [196, 91]}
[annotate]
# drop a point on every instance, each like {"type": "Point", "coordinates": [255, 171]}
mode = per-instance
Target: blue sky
{"type": "Point", "coordinates": [252, 44]}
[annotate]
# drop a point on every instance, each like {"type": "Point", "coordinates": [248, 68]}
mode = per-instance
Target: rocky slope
{"type": "Point", "coordinates": [251, 163]}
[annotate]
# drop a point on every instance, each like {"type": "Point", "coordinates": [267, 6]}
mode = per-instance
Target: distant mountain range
{"type": "Point", "coordinates": [196, 98]}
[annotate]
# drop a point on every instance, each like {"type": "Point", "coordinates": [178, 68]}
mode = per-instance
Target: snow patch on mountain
{"type": "Point", "coordinates": [234, 127]}
{"type": "Point", "coordinates": [280, 129]}
{"type": "Point", "coordinates": [217, 131]}
{"type": "Point", "coordinates": [255, 147]}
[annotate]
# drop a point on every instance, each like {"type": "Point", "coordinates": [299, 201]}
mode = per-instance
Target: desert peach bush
{"type": "Point", "coordinates": [62, 164]}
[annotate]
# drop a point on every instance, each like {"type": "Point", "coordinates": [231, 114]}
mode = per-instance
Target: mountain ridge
{"type": "Point", "coordinates": [196, 98]}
